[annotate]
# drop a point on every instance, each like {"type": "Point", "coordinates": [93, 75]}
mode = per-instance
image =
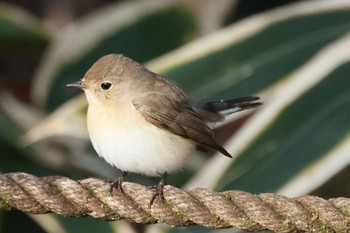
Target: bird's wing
{"type": "Point", "coordinates": [178, 117]}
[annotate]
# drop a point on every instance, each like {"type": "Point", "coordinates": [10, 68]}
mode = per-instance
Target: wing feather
{"type": "Point", "coordinates": [177, 116]}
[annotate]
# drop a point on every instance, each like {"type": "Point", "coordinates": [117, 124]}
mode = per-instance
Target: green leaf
{"type": "Point", "coordinates": [128, 28]}
{"type": "Point", "coordinates": [269, 61]}
{"type": "Point", "coordinates": [248, 66]}
{"type": "Point", "coordinates": [86, 224]}
{"type": "Point", "coordinates": [304, 132]}
{"type": "Point", "coordinates": [13, 157]}
{"type": "Point", "coordinates": [20, 33]}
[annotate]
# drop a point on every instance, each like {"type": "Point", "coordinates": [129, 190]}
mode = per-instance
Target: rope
{"type": "Point", "coordinates": [56, 194]}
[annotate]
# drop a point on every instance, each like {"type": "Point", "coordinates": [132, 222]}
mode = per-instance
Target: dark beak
{"type": "Point", "coordinates": [78, 84]}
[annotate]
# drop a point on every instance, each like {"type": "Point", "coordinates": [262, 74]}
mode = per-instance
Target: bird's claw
{"type": "Point", "coordinates": [117, 184]}
{"type": "Point", "coordinates": [158, 193]}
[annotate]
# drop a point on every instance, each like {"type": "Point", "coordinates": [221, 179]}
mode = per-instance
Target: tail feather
{"type": "Point", "coordinates": [227, 107]}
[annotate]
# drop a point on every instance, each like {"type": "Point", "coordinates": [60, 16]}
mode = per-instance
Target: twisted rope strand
{"type": "Point", "coordinates": [56, 194]}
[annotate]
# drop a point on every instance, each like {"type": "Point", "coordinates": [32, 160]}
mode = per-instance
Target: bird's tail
{"type": "Point", "coordinates": [227, 107]}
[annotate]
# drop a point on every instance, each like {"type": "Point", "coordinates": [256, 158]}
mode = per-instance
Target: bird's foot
{"type": "Point", "coordinates": [159, 191]}
{"type": "Point", "coordinates": [117, 184]}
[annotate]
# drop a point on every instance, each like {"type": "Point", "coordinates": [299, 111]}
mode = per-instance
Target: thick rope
{"type": "Point", "coordinates": [56, 194]}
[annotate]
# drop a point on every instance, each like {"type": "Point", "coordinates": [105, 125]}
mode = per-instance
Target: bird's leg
{"type": "Point", "coordinates": [118, 183]}
{"type": "Point", "coordinates": [159, 189]}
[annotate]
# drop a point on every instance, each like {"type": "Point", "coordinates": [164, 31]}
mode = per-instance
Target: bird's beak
{"type": "Point", "coordinates": [78, 84]}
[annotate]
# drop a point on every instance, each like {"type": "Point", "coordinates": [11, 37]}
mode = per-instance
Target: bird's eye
{"type": "Point", "coordinates": [106, 86]}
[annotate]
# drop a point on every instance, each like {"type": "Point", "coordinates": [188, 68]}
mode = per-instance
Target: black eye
{"type": "Point", "coordinates": [106, 85]}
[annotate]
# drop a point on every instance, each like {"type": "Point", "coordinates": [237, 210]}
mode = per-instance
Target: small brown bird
{"type": "Point", "coordinates": [142, 123]}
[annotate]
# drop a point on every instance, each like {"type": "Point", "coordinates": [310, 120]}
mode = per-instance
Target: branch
{"type": "Point", "coordinates": [56, 194]}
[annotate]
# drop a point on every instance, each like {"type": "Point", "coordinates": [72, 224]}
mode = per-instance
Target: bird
{"type": "Point", "coordinates": [140, 122]}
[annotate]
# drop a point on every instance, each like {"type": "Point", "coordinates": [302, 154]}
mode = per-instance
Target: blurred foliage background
{"type": "Point", "coordinates": [293, 54]}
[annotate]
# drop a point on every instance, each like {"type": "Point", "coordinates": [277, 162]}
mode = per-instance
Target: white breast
{"type": "Point", "coordinates": [125, 140]}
